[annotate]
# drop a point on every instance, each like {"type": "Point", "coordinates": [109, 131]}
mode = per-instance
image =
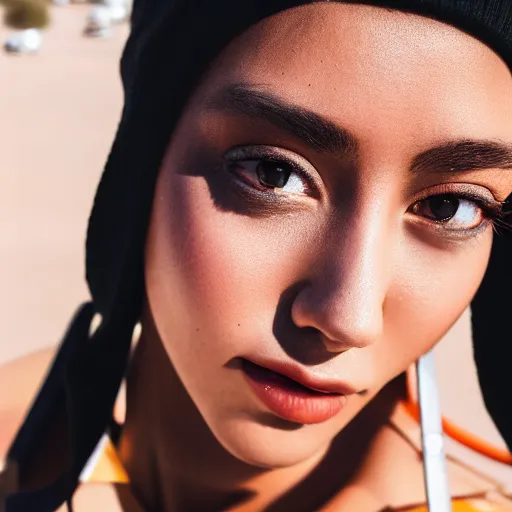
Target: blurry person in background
{"type": "Point", "coordinates": [302, 198]}
{"type": "Point", "coordinates": [104, 15]}
{"type": "Point", "coordinates": [28, 18]}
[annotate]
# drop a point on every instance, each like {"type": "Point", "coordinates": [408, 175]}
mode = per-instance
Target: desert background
{"type": "Point", "coordinates": [58, 114]}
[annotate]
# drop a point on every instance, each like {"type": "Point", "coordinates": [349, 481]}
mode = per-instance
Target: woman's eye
{"type": "Point", "coordinates": [453, 211]}
{"type": "Point", "coordinates": [270, 175]}
{"type": "Point", "coordinates": [273, 174]}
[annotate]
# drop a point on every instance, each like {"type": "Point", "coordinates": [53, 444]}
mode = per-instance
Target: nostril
{"type": "Point", "coordinates": [350, 339]}
{"type": "Point", "coordinates": [333, 346]}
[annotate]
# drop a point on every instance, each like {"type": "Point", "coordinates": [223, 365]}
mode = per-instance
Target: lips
{"type": "Point", "coordinates": [305, 402]}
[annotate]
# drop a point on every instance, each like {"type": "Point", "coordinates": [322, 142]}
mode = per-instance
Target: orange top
{"type": "Point", "coordinates": [474, 505]}
{"type": "Point", "coordinates": [108, 467]}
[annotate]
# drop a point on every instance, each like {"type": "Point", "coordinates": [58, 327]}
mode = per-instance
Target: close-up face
{"type": "Point", "coordinates": [323, 215]}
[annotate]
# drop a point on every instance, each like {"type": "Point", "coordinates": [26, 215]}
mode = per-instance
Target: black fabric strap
{"type": "Point", "coordinates": [52, 391]}
{"type": "Point", "coordinates": [86, 373]}
{"type": "Point", "coordinates": [50, 397]}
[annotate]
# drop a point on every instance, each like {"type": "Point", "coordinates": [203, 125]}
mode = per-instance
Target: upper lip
{"type": "Point", "coordinates": [301, 376]}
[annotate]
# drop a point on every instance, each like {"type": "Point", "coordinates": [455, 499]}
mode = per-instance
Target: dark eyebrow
{"type": "Point", "coordinates": [325, 136]}
{"type": "Point", "coordinates": [464, 155]}
{"type": "Point", "coordinates": [316, 131]}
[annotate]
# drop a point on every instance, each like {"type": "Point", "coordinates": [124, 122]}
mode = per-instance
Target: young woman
{"type": "Point", "coordinates": [301, 199]}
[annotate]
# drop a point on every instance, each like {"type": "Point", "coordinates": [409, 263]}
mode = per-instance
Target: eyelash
{"type": "Point", "coordinates": [240, 155]}
{"type": "Point", "coordinates": [492, 210]}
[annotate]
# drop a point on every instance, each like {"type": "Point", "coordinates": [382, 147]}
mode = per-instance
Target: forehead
{"type": "Point", "coordinates": [363, 66]}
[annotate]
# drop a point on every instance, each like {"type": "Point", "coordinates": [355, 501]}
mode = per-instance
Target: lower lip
{"type": "Point", "coordinates": [289, 401]}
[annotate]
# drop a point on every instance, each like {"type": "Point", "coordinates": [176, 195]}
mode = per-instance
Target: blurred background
{"type": "Point", "coordinates": [59, 108]}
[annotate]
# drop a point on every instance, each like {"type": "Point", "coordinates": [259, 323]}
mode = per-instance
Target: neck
{"type": "Point", "coordinates": [175, 463]}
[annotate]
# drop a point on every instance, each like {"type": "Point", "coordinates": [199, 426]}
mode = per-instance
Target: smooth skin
{"type": "Point", "coordinates": [344, 271]}
{"type": "Point", "coordinates": [348, 275]}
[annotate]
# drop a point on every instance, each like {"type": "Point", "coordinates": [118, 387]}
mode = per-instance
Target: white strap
{"type": "Point", "coordinates": [434, 461]}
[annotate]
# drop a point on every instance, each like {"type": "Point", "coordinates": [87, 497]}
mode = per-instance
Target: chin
{"type": "Point", "coordinates": [270, 446]}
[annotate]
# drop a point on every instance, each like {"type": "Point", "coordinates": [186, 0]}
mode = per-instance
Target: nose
{"type": "Point", "coordinates": [346, 290]}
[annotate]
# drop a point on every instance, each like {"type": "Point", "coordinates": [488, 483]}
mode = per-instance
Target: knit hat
{"type": "Point", "coordinates": [171, 44]}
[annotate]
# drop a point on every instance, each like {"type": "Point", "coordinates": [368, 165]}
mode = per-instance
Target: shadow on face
{"type": "Point", "coordinates": [327, 203]}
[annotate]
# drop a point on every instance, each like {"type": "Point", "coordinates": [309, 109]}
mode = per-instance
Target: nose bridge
{"type": "Point", "coordinates": [349, 282]}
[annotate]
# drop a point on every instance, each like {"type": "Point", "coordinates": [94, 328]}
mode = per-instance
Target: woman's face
{"type": "Point", "coordinates": [324, 212]}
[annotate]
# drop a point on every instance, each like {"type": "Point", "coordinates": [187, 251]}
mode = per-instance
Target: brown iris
{"type": "Point", "coordinates": [273, 174]}
{"type": "Point", "coordinates": [439, 208]}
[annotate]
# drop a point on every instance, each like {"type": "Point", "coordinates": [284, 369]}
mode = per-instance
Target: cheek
{"type": "Point", "coordinates": [430, 294]}
{"type": "Point", "coordinates": [187, 262]}
{"type": "Point", "coordinates": [214, 277]}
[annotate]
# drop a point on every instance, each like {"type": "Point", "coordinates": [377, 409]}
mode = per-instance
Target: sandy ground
{"type": "Point", "coordinates": [58, 113]}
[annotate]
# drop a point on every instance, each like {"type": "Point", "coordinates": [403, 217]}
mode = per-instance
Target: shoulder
{"type": "Point", "coordinates": [19, 381]}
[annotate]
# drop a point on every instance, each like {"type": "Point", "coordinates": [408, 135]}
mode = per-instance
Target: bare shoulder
{"type": "Point", "coordinates": [19, 381]}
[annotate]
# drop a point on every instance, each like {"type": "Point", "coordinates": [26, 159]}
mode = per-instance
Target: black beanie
{"type": "Point", "coordinates": [170, 46]}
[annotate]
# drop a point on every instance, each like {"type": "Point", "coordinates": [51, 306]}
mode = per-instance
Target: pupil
{"type": "Point", "coordinates": [443, 207]}
{"type": "Point", "coordinates": [273, 174]}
